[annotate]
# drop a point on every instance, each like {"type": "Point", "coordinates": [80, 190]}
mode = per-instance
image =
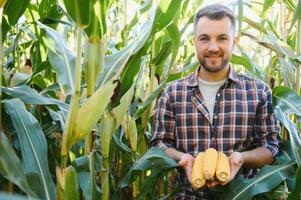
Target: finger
{"type": "Point", "coordinates": [182, 163]}
{"type": "Point", "coordinates": [212, 184]}
{"type": "Point", "coordinates": [188, 173]}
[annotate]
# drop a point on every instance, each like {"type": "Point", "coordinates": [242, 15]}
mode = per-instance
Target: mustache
{"type": "Point", "coordinates": [215, 53]}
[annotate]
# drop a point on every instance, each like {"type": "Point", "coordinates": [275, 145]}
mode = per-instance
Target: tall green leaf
{"type": "Point", "coordinates": [88, 115]}
{"type": "Point", "coordinates": [240, 15]}
{"type": "Point", "coordinates": [266, 6]}
{"type": "Point", "coordinates": [11, 168]}
{"type": "Point", "coordinates": [33, 147]}
{"type": "Point", "coordinates": [154, 158]}
{"type": "Point", "coordinates": [61, 59]}
{"type": "Point", "coordinates": [67, 187]}
{"type": "Point", "coordinates": [45, 7]}
{"type": "Point", "coordinates": [13, 10]}
{"type": "Point", "coordinates": [165, 13]}
{"type": "Point", "coordinates": [9, 196]}
{"type": "Point", "coordinates": [121, 110]}
{"type": "Point", "coordinates": [295, 142]}
{"type": "Point", "coordinates": [86, 175]}
{"type": "Point", "coordinates": [297, 15]}
{"type": "Point", "coordinates": [29, 96]}
{"type": "Point", "coordinates": [176, 41]}
{"type": "Point", "coordinates": [97, 26]}
{"type": "Point", "coordinates": [295, 194]}
{"type": "Point", "coordinates": [115, 63]}
{"type": "Point", "coordinates": [268, 178]}
{"type": "Point", "coordinates": [79, 10]}
{"type": "Point", "coordinates": [287, 100]}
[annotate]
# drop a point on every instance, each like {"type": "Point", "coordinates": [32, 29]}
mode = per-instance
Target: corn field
{"type": "Point", "coordinates": [79, 84]}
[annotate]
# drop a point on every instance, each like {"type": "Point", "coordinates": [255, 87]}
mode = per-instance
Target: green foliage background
{"type": "Point", "coordinates": [79, 83]}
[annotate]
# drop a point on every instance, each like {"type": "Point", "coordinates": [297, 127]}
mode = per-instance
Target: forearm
{"type": "Point", "coordinates": [257, 158]}
{"type": "Point", "coordinates": [174, 154]}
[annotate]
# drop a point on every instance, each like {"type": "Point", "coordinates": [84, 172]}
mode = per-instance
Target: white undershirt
{"type": "Point", "coordinates": [209, 90]}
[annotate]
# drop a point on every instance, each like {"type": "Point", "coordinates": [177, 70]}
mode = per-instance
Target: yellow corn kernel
{"type": "Point", "coordinates": [197, 178]}
{"type": "Point", "coordinates": [210, 162]}
{"type": "Point", "coordinates": [223, 167]}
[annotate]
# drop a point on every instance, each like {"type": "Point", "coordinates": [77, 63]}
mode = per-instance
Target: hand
{"type": "Point", "coordinates": [186, 162]}
{"type": "Point", "coordinates": [236, 161]}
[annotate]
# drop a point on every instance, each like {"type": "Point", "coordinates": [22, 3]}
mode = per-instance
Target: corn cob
{"type": "Point", "coordinates": [197, 178]}
{"type": "Point", "coordinates": [223, 167]}
{"type": "Point", "coordinates": [210, 162]}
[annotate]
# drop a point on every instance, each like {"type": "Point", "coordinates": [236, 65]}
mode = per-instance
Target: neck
{"type": "Point", "coordinates": [214, 76]}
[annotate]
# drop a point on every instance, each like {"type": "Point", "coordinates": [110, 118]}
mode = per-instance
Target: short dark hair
{"type": "Point", "coordinates": [215, 12]}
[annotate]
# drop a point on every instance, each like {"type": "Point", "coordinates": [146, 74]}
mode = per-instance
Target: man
{"type": "Point", "coordinates": [215, 107]}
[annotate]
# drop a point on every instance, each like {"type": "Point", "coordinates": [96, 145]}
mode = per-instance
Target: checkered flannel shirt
{"type": "Point", "coordinates": [243, 118]}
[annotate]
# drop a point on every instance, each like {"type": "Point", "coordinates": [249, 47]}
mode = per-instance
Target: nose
{"type": "Point", "coordinates": [213, 46]}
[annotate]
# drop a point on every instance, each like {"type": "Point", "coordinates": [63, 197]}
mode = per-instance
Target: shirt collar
{"type": "Point", "coordinates": [193, 79]}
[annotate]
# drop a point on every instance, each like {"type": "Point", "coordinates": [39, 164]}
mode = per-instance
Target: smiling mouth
{"type": "Point", "coordinates": [214, 56]}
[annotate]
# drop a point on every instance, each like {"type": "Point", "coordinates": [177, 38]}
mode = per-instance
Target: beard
{"type": "Point", "coordinates": [212, 69]}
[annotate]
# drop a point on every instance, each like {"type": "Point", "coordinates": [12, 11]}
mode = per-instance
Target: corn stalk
{"type": "Point", "coordinates": [68, 134]}
{"type": "Point", "coordinates": [1, 63]}
{"type": "Point", "coordinates": [298, 41]}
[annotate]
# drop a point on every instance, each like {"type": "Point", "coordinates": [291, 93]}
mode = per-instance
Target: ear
{"type": "Point", "coordinates": [194, 40]}
{"type": "Point", "coordinates": [236, 41]}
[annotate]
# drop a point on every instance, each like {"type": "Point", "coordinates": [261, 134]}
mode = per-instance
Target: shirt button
{"type": "Point", "coordinates": [215, 116]}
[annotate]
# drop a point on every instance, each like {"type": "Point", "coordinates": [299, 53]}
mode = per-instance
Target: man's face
{"type": "Point", "coordinates": [214, 42]}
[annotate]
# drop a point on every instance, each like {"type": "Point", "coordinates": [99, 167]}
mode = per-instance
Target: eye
{"type": "Point", "coordinates": [223, 38]}
{"type": "Point", "coordinates": [203, 39]}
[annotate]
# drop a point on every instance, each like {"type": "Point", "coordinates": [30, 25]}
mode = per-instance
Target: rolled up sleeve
{"type": "Point", "coordinates": [164, 124]}
{"type": "Point", "coordinates": [266, 126]}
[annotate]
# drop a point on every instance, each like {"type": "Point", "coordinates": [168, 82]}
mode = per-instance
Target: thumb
{"type": "Point", "coordinates": [182, 162]}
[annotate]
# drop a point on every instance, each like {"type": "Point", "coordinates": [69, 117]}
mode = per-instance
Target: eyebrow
{"type": "Point", "coordinates": [221, 35]}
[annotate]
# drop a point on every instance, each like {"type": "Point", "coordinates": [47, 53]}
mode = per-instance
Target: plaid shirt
{"type": "Point", "coordinates": [243, 118]}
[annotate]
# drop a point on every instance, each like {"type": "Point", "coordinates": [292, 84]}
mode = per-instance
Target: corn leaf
{"type": "Point", "coordinates": [45, 7]}
{"type": "Point", "coordinates": [108, 125]}
{"type": "Point", "coordinates": [165, 13]}
{"type": "Point", "coordinates": [295, 194]}
{"type": "Point", "coordinates": [297, 15]}
{"type": "Point", "coordinates": [268, 178]}
{"type": "Point", "coordinates": [143, 8]}
{"type": "Point", "coordinates": [287, 100]}
{"type": "Point", "coordinates": [176, 41]}
{"type": "Point", "coordinates": [97, 26]}
{"type": "Point", "coordinates": [33, 147]}
{"type": "Point", "coordinates": [12, 11]}
{"type": "Point", "coordinates": [154, 158]}
{"type": "Point", "coordinates": [84, 166]}
{"type": "Point", "coordinates": [92, 110]}
{"type": "Point", "coordinates": [29, 96]}
{"type": "Point", "coordinates": [9, 196]}
{"type": "Point", "coordinates": [125, 101]}
{"type": "Point", "coordinates": [295, 142]}
{"type": "Point", "coordinates": [79, 10]}
{"type": "Point", "coordinates": [149, 100]}
{"type": "Point", "coordinates": [115, 63]}
{"type": "Point", "coordinates": [287, 68]}
{"type": "Point", "coordinates": [11, 168]}
{"type": "Point", "coordinates": [94, 55]}
{"type": "Point", "coordinates": [240, 15]}
{"type": "Point", "coordinates": [266, 6]}
{"type": "Point", "coordinates": [185, 71]}
{"type": "Point", "coordinates": [67, 183]}
{"type": "Point", "coordinates": [61, 58]}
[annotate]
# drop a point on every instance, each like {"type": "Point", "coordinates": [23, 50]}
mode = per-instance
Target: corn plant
{"type": "Point", "coordinates": [79, 83]}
